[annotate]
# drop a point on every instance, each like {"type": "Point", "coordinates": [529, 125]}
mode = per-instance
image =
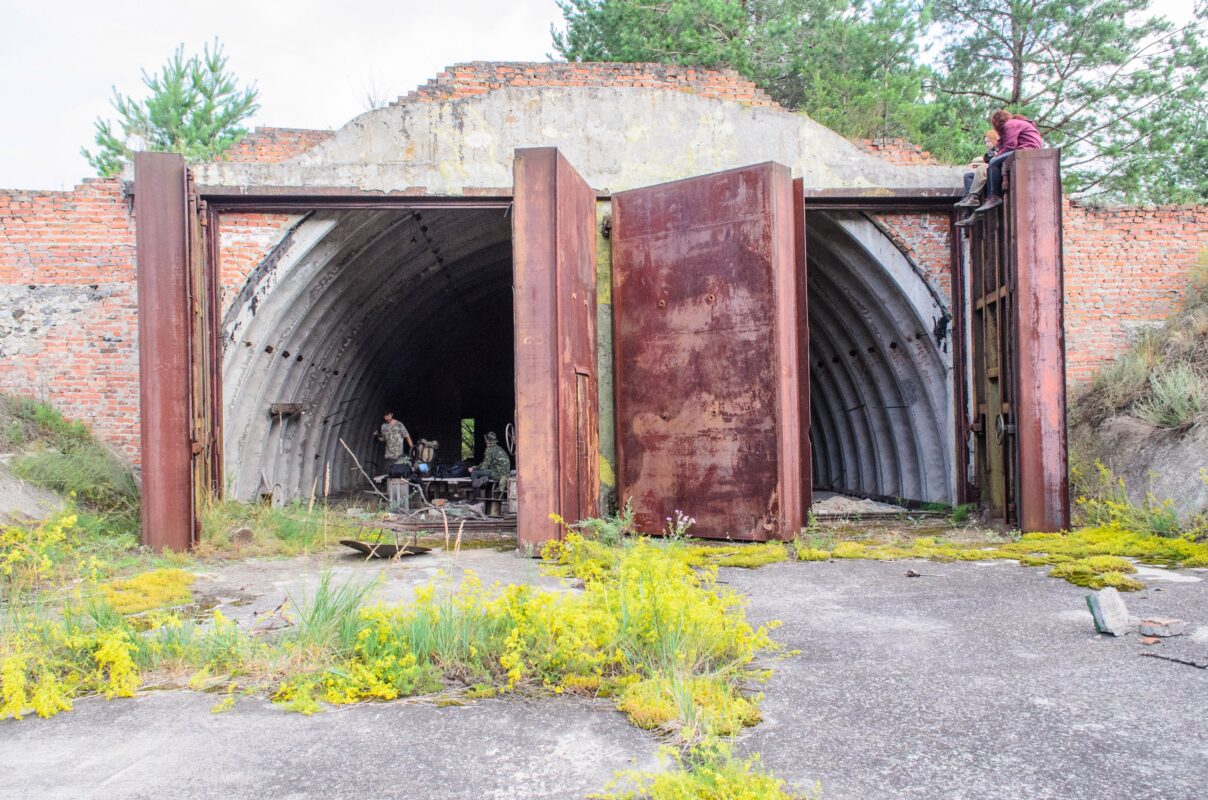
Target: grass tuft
{"type": "Point", "coordinates": [63, 456]}
{"type": "Point", "coordinates": [1163, 377]}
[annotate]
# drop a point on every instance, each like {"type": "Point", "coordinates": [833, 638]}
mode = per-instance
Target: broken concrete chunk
{"type": "Point", "coordinates": [1162, 626]}
{"type": "Point", "coordinates": [1109, 611]}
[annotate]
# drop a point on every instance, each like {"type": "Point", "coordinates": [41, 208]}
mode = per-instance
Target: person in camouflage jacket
{"type": "Point", "coordinates": [394, 433]}
{"type": "Point", "coordinates": [495, 464]}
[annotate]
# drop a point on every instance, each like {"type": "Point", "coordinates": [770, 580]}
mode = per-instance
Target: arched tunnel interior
{"type": "Point", "coordinates": [357, 313]}
{"type": "Point", "coordinates": [880, 385]}
{"type": "Point", "coordinates": [362, 311]}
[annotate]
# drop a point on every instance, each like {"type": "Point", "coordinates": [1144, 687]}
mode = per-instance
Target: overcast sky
{"type": "Point", "coordinates": [314, 61]}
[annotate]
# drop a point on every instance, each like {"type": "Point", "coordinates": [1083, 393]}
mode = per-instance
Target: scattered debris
{"type": "Point", "coordinates": [1162, 626]}
{"type": "Point", "coordinates": [1109, 611]}
{"type": "Point", "coordinates": [1149, 640]}
{"type": "Point", "coordinates": [384, 549]}
{"type": "Point", "coordinates": [1185, 651]}
{"type": "Point", "coordinates": [834, 505]}
{"type": "Point", "coordinates": [912, 574]}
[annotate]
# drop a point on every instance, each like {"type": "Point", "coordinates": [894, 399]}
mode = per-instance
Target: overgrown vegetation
{"type": "Point", "coordinates": [1087, 557]}
{"type": "Point", "coordinates": [64, 456]}
{"type": "Point", "coordinates": [707, 772]}
{"type": "Point", "coordinates": [248, 529]}
{"type": "Point", "coordinates": [1103, 501]}
{"type": "Point", "coordinates": [1163, 377]}
{"type": "Point", "coordinates": [651, 629]}
{"type": "Point", "coordinates": [670, 646]}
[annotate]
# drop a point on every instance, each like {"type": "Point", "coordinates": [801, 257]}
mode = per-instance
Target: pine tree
{"type": "Point", "coordinates": [194, 108]}
{"type": "Point", "coordinates": [853, 66]}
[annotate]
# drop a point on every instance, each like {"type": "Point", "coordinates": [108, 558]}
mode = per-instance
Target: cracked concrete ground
{"type": "Point", "coordinates": [985, 682]}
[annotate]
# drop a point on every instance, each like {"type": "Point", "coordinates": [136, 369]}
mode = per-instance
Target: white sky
{"type": "Point", "coordinates": [313, 61]}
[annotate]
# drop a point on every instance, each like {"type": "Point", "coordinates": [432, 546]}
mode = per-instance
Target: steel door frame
{"type": "Point", "coordinates": [1016, 305]}
{"type": "Point", "coordinates": [178, 256]}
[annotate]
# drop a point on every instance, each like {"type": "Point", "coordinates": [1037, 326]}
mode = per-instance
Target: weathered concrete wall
{"type": "Point", "coordinates": [617, 137]}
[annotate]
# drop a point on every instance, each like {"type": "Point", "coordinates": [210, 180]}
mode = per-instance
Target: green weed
{"type": "Point", "coordinates": [1177, 396]}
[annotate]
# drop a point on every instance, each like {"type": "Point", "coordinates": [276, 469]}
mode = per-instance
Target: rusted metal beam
{"type": "Point", "coordinates": [1040, 421]}
{"type": "Point", "coordinates": [302, 202]}
{"type": "Point", "coordinates": [804, 490]}
{"type": "Point", "coordinates": [161, 230]}
{"type": "Point", "coordinates": [965, 491]}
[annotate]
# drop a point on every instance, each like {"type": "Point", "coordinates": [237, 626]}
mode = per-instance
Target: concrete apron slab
{"type": "Point", "coordinates": [168, 744]}
{"type": "Point", "coordinates": [986, 682]}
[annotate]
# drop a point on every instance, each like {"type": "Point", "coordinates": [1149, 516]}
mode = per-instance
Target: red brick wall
{"type": "Point", "coordinates": [272, 145]}
{"type": "Point", "coordinates": [479, 77]}
{"type": "Point", "coordinates": [243, 242]}
{"type": "Point", "coordinates": [897, 151]}
{"type": "Point", "coordinates": [69, 328]}
{"type": "Point", "coordinates": [1125, 268]}
{"type": "Point", "coordinates": [924, 239]}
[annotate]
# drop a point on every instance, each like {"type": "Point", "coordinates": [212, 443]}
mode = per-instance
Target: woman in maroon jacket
{"type": "Point", "coordinates": [1015, 132]}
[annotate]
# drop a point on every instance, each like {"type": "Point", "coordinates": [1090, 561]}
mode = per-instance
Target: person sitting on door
{"type": "Point", "coordinates": [1015, 132]}
{"type": "Point", "coordinates": [495, 464]}
{"type": "Point", "coordinates": [394, 434]}
{"type": "Point", "coordinates": [975, 178]}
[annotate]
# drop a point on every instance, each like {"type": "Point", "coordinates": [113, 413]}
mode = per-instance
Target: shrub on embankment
{"type": "Point", "coordinates": [1163, 378]}
{"type": "Point", "coordinates": [63, 456]}
{"type": "Point", "coordinates": [1144, 416]}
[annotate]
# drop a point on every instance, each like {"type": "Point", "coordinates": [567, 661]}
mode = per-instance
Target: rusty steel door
{"type": "Point", "coordinates": [710, 352]}
{"type": "Point", "coordinates": [554, 284]}
{"type": "Point", "coordinates": [178, 365]}
{"type": "Point", "coordinates": [1015, 309]}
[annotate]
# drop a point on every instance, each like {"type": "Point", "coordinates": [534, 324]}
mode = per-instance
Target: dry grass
{"type": "Point", "coordinates": [1163, 378]}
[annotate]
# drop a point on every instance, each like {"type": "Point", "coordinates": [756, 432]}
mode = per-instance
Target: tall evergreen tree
{"type": "Point", "coordinates": [1122, 93]}
{"type": "Point", "coordinates": [194, 108]}
{"type": "Point", "coordinates": [853, 66]}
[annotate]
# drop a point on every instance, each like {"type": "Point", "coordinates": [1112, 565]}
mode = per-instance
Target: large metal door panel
{"type": "Point", "coordinates": [557, 416]}
{"type": "Point", "coordinates": [708, 288]}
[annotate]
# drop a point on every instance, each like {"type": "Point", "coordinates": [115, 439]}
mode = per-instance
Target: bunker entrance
{"type": "Point", "coordinates": [881, 407]}
{"type": "Point", "coordinates": [357, 313]}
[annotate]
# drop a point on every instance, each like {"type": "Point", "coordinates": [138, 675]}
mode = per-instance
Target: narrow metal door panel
{"type": "Point", "coordinates": [557, 410]}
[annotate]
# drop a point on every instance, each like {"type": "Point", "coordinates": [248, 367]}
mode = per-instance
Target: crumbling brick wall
{"type": "Point", "coordinates": [244, 240]}
{"type": "Point", "coordinates": [480, 77]}
{"type": "Point", "coordinates": [924, 238]}
{"type": "Point", "coordinates": [1125, 268]}
{"type": "Point", "coordinates": [897, 151]}
{"type": "Point", "coordinates": [69, 330]}
{"type": "Point", "coordinates": [274, 145]}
